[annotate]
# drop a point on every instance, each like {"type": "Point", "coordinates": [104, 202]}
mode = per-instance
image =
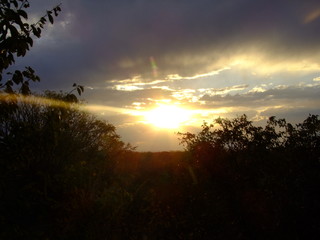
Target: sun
{"type": "Point", "coordinates": [167, 116]}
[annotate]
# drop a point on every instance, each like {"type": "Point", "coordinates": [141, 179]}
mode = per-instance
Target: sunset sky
{"type": "Point", "coordinates": [192, 60]}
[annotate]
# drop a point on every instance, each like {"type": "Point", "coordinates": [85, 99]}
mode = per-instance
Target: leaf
{"type": "Point", "coordinates": [30, 41]}
{"type": "Point", "coordinates": [17, 77]}
{"type": "Point", "coordinates": [43, 20]}
{"type": "Point", "coordinates": [8, 88]}
{"type": "Point", "coordinates": [26, 74]}
{"type": "Point", "coordinates": [50, 17]}
{"type": "Point", "coordinates": [15, 3]}
{"type": "Point", "coordinates": [35, 31]}
{"type": "Point", "coordinates": [26, 26]}
{"type": "Point", "coordinates": [71, 98]}
{"type": "Point", "coordinates": [10, 14]}
{"type": "Point", "coordinates": [38, 32]}
{"type": "Point", "coordinates": [30, 70]}
{"type": "Point", "coordinates": [23, 14]}
{"type": "Point", "coordinates": [14, 32]}
{"type": "Point", "coordinates": [25, 90]}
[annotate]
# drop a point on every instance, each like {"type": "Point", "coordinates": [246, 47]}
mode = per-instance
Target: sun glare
{"type": "Point", "coordinates": [167, 116]}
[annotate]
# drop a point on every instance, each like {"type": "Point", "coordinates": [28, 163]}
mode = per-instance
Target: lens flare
{"type": "Point", "coordinates": [154, 67]}
{"type": "Point", "coordinates": [43, 101]}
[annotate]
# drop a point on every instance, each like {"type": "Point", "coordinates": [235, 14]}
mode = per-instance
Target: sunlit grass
{"type": "Point", "coordinates": [32, 99]}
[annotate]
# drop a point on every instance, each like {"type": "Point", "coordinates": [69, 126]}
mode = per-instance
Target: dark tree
{"type": "Point", "coordinates": [268, 177]}
{"type": "Point", "coordinates": [56, 162]}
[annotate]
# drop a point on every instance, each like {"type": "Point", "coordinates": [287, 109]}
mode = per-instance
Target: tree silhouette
{"type": "Point", "coordinates": [268, 176]}
{"type": "Point", "coordinates": [55, 160]}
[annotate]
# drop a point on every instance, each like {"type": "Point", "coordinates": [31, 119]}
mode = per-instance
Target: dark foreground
{"type": "Point", "coordinates": [66, 175]}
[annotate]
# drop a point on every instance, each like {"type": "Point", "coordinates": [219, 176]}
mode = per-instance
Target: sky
{"type": "Point", "coordinates": [156, 67]}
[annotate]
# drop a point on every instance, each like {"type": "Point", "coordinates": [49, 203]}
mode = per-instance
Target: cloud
{"type": "Point", "coordinates": [134, 84]}
{"type": "Point", "coordinates": [202, 75]}
{"type": "Point", "coordinates": [291, 114]}
{"type": "Point", "coordinates": [108, 40]}
{"type": "Point", "coordinates": [122, 99]}
{"type": "Point", "coordinates": [222, 91]}
{"type": "Point", "coordinates": [279, 101]}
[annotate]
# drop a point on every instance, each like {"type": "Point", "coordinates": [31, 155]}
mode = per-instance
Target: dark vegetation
{"type": "Point", "coordinates": [65, 174]}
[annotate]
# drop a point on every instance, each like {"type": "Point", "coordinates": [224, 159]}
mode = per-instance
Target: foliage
{"type": "Point", "coordinates": [56, 161]}
{"type": "Point", "coordinates": [241, 136]}
{"type": "Point", "coordinates": [268, 177]}
{"type": "Point", "coordinates": [67, 175]}
{"type": "Point", "coordinates": [16, 38]}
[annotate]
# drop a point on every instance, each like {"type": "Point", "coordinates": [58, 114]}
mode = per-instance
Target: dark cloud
{"type": "Point", "coordinates": [292, 115]}
{"type": "Point", "coordinates": [115, 39]}
{"type": "Point", "coordinates": [117, 98]}
{"type": "Point", "coordinates": [297, 96]}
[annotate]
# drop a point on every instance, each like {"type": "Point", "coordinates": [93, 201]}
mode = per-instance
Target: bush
{"type": "Point", "coordinates": [56, 162]}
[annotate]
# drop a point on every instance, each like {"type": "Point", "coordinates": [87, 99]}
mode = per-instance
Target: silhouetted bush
{"type": "Point", "coordinates": [67, 175]}
{"type": "Point", "coordinates": [269, 176]}
{"type": "Point", "coordinates": [56, 164]}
